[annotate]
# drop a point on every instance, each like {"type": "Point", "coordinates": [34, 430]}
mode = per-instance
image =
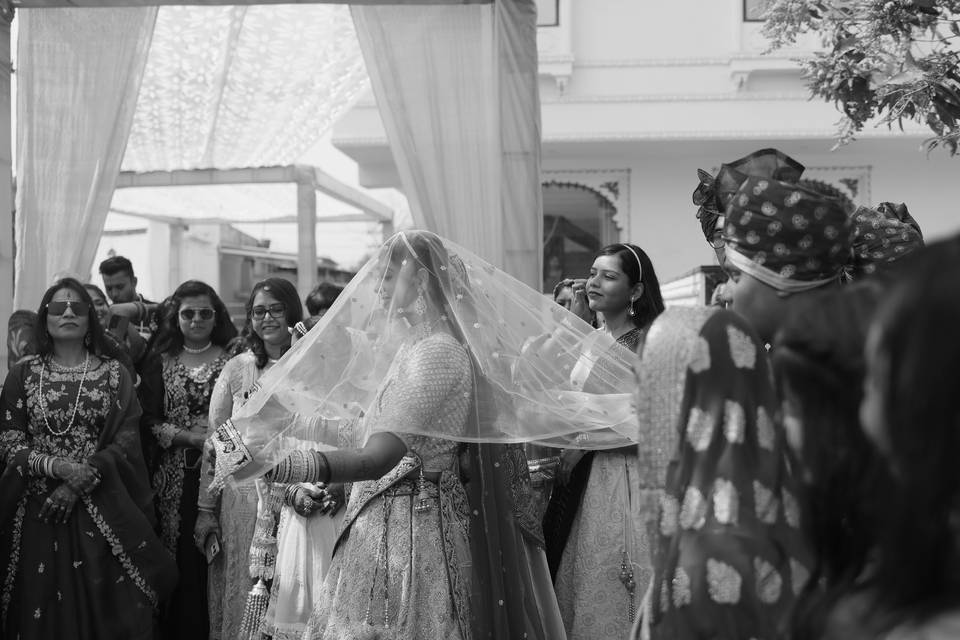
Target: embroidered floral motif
{"type": "Point", "coordinates": [791, 510]}
{"type": "Point", "coordinates": [693, 514]}
{"type": "Point", "coordinates": [14, 562]}
{"type": "Point", "coordinates": [669, 515]}
{"type": "Point", "coordinates": [726, 502]}
{"type": "Point", "coordinates": [682, 594]}
{"type": "Point", "coordinates": [723, 582]}
{"type": "Point", "coordinates": [734, 423]}
{"type": "Point", "coordinates": [700, 359]}
{"type": "Point", "coordinates": [799, 575]}
{"type": "Point", "coordinates": [765, 434]}
{"type": "Point", "coordinates": [765, 504]}
{"type": "Point", "coordinates": [699, 429]}
{"type": "Point", "coordinates": [742, 349]}
{"type": "Point", "coordinates": [769, 581]}
{"type": "Point", "coordinates": [117, 549]}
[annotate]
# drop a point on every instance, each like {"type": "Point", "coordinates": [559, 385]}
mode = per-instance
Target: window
{"type": "Point", "coordinates": [548, 13]}
{"type": "Point", "coordinates": [753, 10]}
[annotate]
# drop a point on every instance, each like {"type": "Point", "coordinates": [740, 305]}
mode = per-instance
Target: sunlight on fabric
{"type": "Point", "coordinates": [243, 86]}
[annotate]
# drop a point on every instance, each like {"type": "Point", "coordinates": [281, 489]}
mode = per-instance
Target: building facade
{"type": "Point", "coordinates": [637, 95]}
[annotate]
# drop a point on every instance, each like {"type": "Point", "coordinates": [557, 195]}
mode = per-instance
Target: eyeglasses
{"type": "Point", "coordinates": [276, 310]}
{"type": "Point", "coordinates": [203, 314]}
{"type": "Point", "coordinates": [59, 307]}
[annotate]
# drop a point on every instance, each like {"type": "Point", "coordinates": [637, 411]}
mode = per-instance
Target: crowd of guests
{"type": "Point", "coordinates": [792, 473]}
{"type": "Point", "coordinates": [106, 416]}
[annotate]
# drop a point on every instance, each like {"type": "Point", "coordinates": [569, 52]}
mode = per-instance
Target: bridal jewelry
{"type": "Point", "coordinates": [76, 403]}
{"type": "Point", "coordinates": [423, 497]}
{"type": "Point", "coordinates": [200, 350]}
{"type": "Point", "coordinates": [626, 577]}
{"type": "Point", "coordinates": [420, 305]}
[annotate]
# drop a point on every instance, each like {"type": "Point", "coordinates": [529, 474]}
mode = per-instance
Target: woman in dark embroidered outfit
{"type": "Point", "coordinates": [605, 566]}
{"type": "Point", "coordinates": [76, 516]}
{"type": "Point", "coordinates": [191, 348]}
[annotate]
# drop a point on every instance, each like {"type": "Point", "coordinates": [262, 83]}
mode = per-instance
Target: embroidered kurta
{"type": "Point", "coordinates": [606, 540]}
{"type": "Point", "coordinates": [229, 573]}
{"type": "Point", "coordinates": [186, 404]}
{"type": "Point", "coordinates": [402, 561]}
{"type": "Point", "coordinates": [99, 575]}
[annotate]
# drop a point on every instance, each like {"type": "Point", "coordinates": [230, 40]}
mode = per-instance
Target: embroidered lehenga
{"type": "Point", "coordinates": [100, 575]}
{"type": "Point", "coordinates": [186, 402]}
{"type": "Point", "coordinates": [402, 560]}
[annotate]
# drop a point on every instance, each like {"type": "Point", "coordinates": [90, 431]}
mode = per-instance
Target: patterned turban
{"type": "Point", "coordinates": [785, 235]}
{"type": "Point", "coordinates": [713, 195]}
{"type": "Point", "coordinates": [881, 236]}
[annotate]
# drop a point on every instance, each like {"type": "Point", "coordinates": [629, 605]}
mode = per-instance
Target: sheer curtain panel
{"type": "Point", "coordinates": [458, 95]}
{"type": "Point", "coordinates": [78, 76]}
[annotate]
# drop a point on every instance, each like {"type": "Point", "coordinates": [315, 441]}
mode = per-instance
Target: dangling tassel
{"type": "Point", "coordinates": [423, 496]}
{"type": "Point", "coordinates": [255, 611]}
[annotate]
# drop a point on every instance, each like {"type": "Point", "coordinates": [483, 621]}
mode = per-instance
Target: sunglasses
{"type": "Point", "coordinates": [203, 314]}
{"type": "Point", "coordinates": [276, 310]}
{"type": "Point", "coordinates": [59, 307]}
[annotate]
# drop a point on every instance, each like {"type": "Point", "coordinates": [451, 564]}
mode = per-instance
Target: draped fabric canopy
{"type": "Point", "coordinates": [241, 86]}
{"type": "Point", "coordinates": [250, 86]}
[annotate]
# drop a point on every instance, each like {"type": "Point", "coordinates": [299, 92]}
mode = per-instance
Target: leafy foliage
{"type": "Point", "coordinates": [894, 60]}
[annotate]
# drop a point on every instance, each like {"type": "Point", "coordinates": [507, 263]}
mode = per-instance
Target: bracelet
{"type": "Point", "coordinates": [41, 464]}
{"type": "Point", "coordinates": [290, 494]}
{"type": "Point", "coordinates": [300, 329]}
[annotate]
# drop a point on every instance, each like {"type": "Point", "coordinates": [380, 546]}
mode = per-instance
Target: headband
{"type": "Point", "coordinates": [636, 257]}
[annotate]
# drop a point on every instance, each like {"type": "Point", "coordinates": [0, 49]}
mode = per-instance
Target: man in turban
{"type": "Point", "coordinates": [782, 240]}
{"type": "Point", "coordinates": [881, 237]}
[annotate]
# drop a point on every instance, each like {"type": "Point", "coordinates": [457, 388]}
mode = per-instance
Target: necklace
{"type": "Point", "coordinates": [200, 350]}
{"type": "Point", "coordinates": [76, 403]}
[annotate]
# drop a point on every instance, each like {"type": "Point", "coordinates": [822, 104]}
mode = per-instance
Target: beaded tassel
{"type": "Point", "coordinates": [254, 611]}
{"type": "Point", "coordinates": [626, 577]}
{"type": "Point", "coordinates": [423, 497]}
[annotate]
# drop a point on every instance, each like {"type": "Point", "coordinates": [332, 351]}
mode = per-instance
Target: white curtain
{"type": "Point", "coordinates": [458, 95]}
{"type": "Point", "coordinates": [78, 75]}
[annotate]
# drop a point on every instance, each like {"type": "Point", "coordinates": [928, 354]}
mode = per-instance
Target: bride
{"type": "Point", "coordinates": [409, 386]}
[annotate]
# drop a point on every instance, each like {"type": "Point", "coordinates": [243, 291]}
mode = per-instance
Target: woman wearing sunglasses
{"type": "Point", "coordinates": [75, 511]}
{"type": "Point", "coordinates": [231, 517]}
{"type": "Point", "coordinates": [189, 353]}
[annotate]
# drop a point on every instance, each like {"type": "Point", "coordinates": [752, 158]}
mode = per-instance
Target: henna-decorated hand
{"type": "Point", "coordinates": [332, 500]}
{"type": "Point", "coordinates": [58, 506]}
{"type": "Point", "coordinates": [79, 476]}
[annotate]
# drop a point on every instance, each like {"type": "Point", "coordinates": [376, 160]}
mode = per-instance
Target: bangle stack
{"type": "Point", "coordinates": [41, 464]}
{"type": "Point", "coordinates": [300, 466]}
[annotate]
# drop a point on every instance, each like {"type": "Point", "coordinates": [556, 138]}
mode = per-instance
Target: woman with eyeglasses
{"type": "Point", "coordinates": [81, 559]}
{"type": "Point", "coordinates": [230, 518]}
{"type": "Point", "coordinates": [189, 351]}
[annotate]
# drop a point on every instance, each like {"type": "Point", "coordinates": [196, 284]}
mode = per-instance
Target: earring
{"type": "Point", "coordinates": [631, 312]}
{"type": "Point", "coordinates": [420, 305]}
